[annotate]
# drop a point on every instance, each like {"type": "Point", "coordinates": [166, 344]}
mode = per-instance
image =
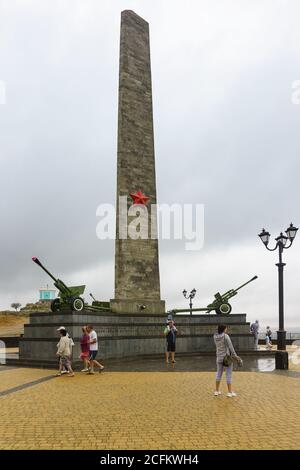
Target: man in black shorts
{"type": "Point", "coordinates": [170, 334]}
{"type": "Point", "coordinates": [93, 349]}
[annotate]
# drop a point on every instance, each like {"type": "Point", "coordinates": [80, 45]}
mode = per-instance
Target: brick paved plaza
{"type": "Point", "coordinates": [148, 410]}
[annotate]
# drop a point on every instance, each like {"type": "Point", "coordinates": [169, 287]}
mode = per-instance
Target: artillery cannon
{"type": "Point", "coordinates": [98, 305]}
{"type": "Point", "coordinates": [68, 296]}
{"type": "Point", "coordinates": [220, 304]}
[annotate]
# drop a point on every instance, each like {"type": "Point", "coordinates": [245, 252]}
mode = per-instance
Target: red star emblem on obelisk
{"type": "Point", "coordinates": [139, 198]}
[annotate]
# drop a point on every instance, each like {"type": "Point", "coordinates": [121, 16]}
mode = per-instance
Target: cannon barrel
{"type": "Point", "coordinates": [37, 261]}
{"type": "Point", "coordinates": [60, 285]}
{"type": "Point", "coordinates": [232, 292]}
{"type": "Point", "coordinates": [229, 294]}
{"type": "Point", "coordinates": [245, 283]}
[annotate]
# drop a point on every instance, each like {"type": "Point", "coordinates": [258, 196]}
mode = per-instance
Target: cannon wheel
{"type": "Point", "coordinates": [224, 309]}
{"type": "Point", "coordinates": [77, 304]}
{"type": "Point", "coordinates": [55, 304]}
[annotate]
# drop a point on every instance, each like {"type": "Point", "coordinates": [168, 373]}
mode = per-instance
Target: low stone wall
{"type": "Point", "coordinates": [128, 335]}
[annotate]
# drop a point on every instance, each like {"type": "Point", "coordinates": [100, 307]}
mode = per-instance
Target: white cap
{"type": "Point", "coordinates": [60, 328]}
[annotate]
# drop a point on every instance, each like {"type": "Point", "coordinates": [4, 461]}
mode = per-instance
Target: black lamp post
{"type": "Point", "coordinates": [190, 296]}
{"type": "Point", "coordinates": [281, 244]}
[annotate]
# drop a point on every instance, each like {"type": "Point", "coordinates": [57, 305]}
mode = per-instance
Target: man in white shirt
{"type": "Point", "coordinates": [93, 349]}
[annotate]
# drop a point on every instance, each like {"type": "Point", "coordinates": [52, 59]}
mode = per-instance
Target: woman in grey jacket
{"type": "Point", "coordinates": [223, 347]}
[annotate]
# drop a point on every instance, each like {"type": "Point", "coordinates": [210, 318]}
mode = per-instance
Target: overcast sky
{"type": "Point", "coordinates": [226, 135]}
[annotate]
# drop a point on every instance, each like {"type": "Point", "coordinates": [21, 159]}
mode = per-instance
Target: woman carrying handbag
{"type": "Point", "coordinates": [225, 355]}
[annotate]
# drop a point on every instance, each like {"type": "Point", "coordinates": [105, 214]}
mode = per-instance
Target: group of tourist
{"type": "Point", "coordinates": [254, 329]}
{"type": "Point", "coordinates": [225, 352]}
{"type": "Point", "coordinates": [89, 351]}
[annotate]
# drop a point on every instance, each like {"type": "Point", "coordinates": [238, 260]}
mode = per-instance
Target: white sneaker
{"type": "Point", "coordinates": [231, 394]}
{"type": "Point", "coordinates": [63, 372]}
{"type": "Point", "coordinates": [85, 370]}
{"type": "Point", "coordinates": [216, 393]}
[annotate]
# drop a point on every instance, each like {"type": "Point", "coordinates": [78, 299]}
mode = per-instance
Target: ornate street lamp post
{"type": "Point", "coordinates": [281, 244]}
{"type": "Point", "coordinates": [190, 296]}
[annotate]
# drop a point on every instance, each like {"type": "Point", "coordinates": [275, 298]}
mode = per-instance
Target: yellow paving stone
{"type": "Point", "coordinates": [14, 377]}
{"type": "Point", "coordinates": [152, 410]}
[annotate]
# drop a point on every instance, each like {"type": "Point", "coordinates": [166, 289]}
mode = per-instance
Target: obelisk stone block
{"type": "Point", "coordinates": [137, 283]}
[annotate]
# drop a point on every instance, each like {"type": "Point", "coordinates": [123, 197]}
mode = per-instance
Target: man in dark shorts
{"type": "Point", "coordinates": [93, 349]}
{"type": "Point", "coordinates": [170, 334]}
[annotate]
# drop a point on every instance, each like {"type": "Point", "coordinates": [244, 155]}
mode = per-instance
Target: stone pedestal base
{"type": "Point", "coordinates": [282, 360]}
{"type": "Point", "coordinates": [127, 335]}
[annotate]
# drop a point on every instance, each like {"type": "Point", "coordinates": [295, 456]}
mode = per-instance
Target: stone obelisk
{"type": "Point", "coordinates": [137, 284]}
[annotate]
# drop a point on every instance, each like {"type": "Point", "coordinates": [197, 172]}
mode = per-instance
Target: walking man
{"type": "Point", "coordinates": [64, 369]}
{"type": "Point", "coordinates": [64, 353]}
{"type": "Point", "coordinates": [93, 349]}
{"type": "Point", "coordinates": [269, 333]}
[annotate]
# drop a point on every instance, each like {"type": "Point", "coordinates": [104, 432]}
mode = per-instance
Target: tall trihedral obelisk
{"type": "Point", "coordinates": [137, 285]}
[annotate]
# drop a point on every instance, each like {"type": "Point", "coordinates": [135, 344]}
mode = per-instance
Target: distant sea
{"type": "Point", "coordinates": [290, 329]}
{"type": "Point", "coordinates": [292, 332]}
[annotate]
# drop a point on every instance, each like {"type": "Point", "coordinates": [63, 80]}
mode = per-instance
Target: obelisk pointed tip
{"type": "Point", "coordinates": [133, 15]}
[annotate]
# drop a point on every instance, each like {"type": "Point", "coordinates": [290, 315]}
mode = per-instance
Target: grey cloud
{"type": "Point", "coordinates": [226, 132]}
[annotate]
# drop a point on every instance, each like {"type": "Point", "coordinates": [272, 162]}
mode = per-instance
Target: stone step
{"type": "Point", "coordinates": [86, 317]}
{"type": "Point", "coordinates": [148, 362]}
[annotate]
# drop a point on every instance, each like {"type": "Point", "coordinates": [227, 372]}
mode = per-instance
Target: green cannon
{"type": "Point", "coordinates": [69, 297]}
{"type": "Point", "coordinates": [220, 304]}
{"type": "Point", "coordinates": [98, 305]}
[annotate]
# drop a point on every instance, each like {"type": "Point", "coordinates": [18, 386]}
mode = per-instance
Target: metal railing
{"type": "Point", "coordinates": [289, 336]}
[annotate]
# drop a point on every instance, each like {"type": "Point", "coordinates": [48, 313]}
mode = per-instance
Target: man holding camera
{"type": "Point", "coordinates": [170, 333]}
